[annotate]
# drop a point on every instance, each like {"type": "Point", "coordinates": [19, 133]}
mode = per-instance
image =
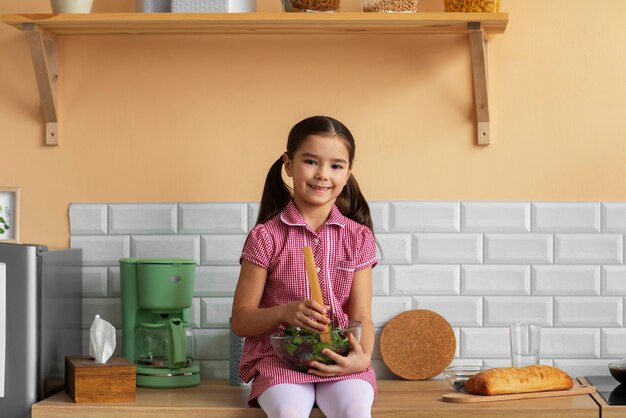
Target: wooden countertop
{"type": "Point", "coordinates": [395, 399]}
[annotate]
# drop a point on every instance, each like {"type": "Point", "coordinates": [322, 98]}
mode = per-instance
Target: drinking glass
{"type": "Point", "coordinates": [525, 343]}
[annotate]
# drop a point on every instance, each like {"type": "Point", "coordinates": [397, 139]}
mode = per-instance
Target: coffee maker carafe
{"type": "Point", "coordinates": [156, 296]}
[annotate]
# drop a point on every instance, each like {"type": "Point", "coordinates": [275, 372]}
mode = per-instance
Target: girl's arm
{"type": "Point", "coordinates": [249, 320]}
{"type": "Point", "coordinates": [360, 309]}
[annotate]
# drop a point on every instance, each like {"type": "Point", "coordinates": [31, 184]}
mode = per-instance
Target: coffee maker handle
{"type": "Point", "coordinates": [177, 351]}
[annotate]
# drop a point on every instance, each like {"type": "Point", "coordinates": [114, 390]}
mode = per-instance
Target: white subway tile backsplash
{"type": "Point", "coordinates": [88, 219]}
{"type": "Point", "coordinates": [579, 368]}
{"type": "Point", "coordinates": [114, 282]}
{"type": "Point", "coordinates": [613, 342]}
{"type": "Point", "coordinates": [485, 343]}
{"type": "Point", "coordinates": [213, 218]}
{"type": "Point", "coordinates": [253, 213]}
{"type": "Point", "coordinates": [216, 280]}
{"type": "Point", "coordinates": [582, 311]}
{"type": "Point", "coordinates": [380, 216]}
{"type": "Point", "coordinates": [195, 314]}
{"type": "Point", "coordinates": [385, 308]}
{"type": "Point", "coordinates": [95, 282]}
{"type": "Point", "coordinates": [222, 250]}
{"type": "Point", "coordinates": [448, 248]}
{"type": "Point", "coordinates": [459, 311]}
{"type": "Point", "coordinates": [492, 363]}
{"type": "Point", "coordinates": [504, 310]}
{"type": "Point", "coordinates": [425, 217]}
{"type": "Point", "coordinates": [614, 217]}
{"type": "Point", "coordinates": [496, 363]}
{"type": "Point", "coordinates": [481, 265]}
{"type": "Point", "coordinates": [215, 369]}
{"type": "Point", "coordinates": [509, 280]}
{"type": "Point", "coordinates": [166, 246]}
{"type": "Point", "coordinates": [425, 280]}
{"type": "Point", "coordinates": [212, 344]}
{"type": "Point", "coordinates": [518, 249]}
{"type": "Point", "coordinates": [103, 250]}
{"type": "Point", "coordinates": [380, 280]}
{"type": "Point", "coordinates": [570, 342]}
{"type": "Point", "coordinates": [566, 280]}
{"type": "Point", "coordinates": [589, 249]}
{"type": "Point", "coordinates": [495, 217]}
{"type": "Point", "coordinates": [566, 217]}
{"type": "Point", "coordinates": [142, 218]}
{"type": "Point", "coordinates": [216, 312]}
{"type": "Point", "coordinates": [109, 309]}
{"type": "Point", "coordinates": [613, 280]}
{"type": "Point", "coordinates": [395, 248]}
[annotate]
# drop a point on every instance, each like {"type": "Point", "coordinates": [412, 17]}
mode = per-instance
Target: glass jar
{"type": "Point", "coordinates": [472, 6]}
{"type": "Point", "coordinates": [311, 5]}
{"type": "Point", "coordinates": [392, 6]}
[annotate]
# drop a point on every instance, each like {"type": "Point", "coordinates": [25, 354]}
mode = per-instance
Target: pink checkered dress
{"type": "Point", "coordinates": [340, 247]}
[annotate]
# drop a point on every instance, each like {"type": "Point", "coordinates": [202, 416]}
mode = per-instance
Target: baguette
{"type": "Point", "coordinates": [518, 380]}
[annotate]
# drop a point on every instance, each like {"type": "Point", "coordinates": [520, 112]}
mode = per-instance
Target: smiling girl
{"type": "Point", "coordinates": [326, 211]}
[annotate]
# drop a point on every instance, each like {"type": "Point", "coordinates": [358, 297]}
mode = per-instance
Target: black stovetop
{"type": "Point", "coordinates": [611, 390]}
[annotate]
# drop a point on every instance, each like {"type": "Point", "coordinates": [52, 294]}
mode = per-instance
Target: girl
{"type": "Point", "coordinates": [325, 210]}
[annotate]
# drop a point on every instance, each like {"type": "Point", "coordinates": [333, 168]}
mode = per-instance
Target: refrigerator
{"type": "Point", "coordinates": [40, 322]}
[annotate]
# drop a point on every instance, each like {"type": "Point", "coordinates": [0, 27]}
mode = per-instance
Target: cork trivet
{"type": "Point", "coordinates": [417, 344]}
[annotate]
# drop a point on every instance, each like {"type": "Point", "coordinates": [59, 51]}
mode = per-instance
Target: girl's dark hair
{"type": "Point", "coordinates": [277, 194]}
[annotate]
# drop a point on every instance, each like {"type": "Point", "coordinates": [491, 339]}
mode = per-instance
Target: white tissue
{"type": "Point", "coordinates": [101, 340]}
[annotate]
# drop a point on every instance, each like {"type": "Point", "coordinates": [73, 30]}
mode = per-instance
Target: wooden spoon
{"type": "Point", "coordinates": [314, 285]}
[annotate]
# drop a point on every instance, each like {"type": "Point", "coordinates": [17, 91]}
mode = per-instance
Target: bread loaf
{"type": "Point", "coordinates": [518, 380]}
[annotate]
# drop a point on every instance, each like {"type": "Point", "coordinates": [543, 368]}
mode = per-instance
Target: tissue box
{"type": "Point", "coordinates": [88, 381]}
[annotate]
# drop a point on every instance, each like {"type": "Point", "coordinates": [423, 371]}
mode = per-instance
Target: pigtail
{"type": "Point", "coordinates": [353, 205]}
{"type": "Point", "coordinates": [276, 193]}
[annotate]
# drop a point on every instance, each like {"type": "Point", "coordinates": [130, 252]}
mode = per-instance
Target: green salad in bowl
{"type": "Point", "coordinates": [298, 347]}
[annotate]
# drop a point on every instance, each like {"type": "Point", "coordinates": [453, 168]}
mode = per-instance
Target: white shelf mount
{"type": "Point", "coordinates": [478, 50]}
{"type": "Point", "coordinates": [44, 51]}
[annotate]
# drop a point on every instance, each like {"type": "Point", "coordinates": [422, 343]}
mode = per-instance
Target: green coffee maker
{"type": "Point", "coordinates": [156, 296]}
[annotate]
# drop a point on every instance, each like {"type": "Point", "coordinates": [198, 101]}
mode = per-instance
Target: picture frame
{"type": "Point", "coordinates": [10, 214]}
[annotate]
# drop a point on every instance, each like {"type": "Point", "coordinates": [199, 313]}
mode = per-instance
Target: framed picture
{"type": "Point", "coordinates": [10, 214]}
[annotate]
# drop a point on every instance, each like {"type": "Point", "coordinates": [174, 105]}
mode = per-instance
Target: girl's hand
{"type": "Point", "coordinates": [356, 361]}
{"type": "Point", "coordinates": [307, 314]}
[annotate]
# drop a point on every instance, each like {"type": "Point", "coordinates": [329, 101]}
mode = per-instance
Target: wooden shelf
{"type": "Point", "coordinates": [43, 29]}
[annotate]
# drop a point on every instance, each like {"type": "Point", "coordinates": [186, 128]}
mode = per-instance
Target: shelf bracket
{"type": "Point", "coordinates": [478, 50]}
{"type": "Point", "coordinates": [44, 52]}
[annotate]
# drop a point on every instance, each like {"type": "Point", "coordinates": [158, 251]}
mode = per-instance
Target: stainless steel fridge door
{"type": "Point", "coordinates": [61, 316]}
{"type": "Point", "coordinates": [21, 329]}
{"type": "Point", "coordinates": [43, 322]}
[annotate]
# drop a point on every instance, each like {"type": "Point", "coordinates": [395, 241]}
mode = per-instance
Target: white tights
{"type": "Point", "coordinates": [340, 399]}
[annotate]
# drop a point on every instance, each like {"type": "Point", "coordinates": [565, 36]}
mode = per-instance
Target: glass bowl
{"type": "Point", "coordinates": [297, 351]}
{"type": "Point", "coordinates": [458, 375]}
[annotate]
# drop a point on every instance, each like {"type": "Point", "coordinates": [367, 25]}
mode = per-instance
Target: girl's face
{"type": "Point", "coordinates": [319, 169]}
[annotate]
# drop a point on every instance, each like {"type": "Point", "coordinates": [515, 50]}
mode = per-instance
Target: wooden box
{"type": "Point", "coordinates": [88, 381]}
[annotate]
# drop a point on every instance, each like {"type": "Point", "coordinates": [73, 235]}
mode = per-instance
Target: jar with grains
{"type": "Point", "coordinates": [311, 5]}
{"type": "Point", "coordinates": [397, 6]}
{"type": "Point", "coordinates": [473, 6]}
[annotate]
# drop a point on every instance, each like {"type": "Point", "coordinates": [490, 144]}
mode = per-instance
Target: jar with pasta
{"type": "Point", "coordinates": [311, 5]}
{"type": "Point", "coordinates": [472, 6]}
{"type": "Point", "coordinates": [393, 6]}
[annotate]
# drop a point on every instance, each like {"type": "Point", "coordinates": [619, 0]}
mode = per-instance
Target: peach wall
{"type": "Point", "coordinates": [201, 118]}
